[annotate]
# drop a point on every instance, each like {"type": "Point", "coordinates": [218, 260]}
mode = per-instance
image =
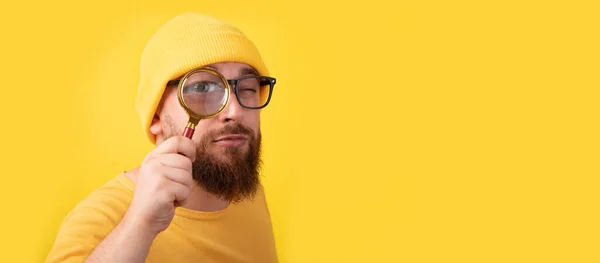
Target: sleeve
{"type": "Point", "coordinates": [84, 228]}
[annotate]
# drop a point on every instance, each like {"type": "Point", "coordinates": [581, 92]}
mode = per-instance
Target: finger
{"type": "Point", "coordinates": [179, 176]}
{"type": "Point", "coordinates": [175, 160]}
{"type": "Point", "coordinates": [178, 192]}
{"type": "Point", "coordinates": [177, 144]}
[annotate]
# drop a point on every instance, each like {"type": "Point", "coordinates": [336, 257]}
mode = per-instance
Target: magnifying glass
{"type": "Point", "coordinates": [203, 93]}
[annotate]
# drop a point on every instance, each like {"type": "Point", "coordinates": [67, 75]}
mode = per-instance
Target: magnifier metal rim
{"type": "Point", "coordinates": [192, 113]}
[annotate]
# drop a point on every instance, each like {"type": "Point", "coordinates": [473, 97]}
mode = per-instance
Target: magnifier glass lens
{"type": "Point", "coordinates": [204, 93]}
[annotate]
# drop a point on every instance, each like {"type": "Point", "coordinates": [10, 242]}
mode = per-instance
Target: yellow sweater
{"type": "Point", "coordinates": [239, 233]}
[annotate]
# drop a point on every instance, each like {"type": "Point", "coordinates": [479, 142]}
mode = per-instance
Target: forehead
{"type": "Point", "coordinates": [230, 69]}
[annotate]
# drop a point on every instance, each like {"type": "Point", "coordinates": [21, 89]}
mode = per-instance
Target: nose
{"type": "Point", "coordinates": [233, 111]}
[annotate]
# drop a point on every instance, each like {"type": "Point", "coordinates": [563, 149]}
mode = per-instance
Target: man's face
{"type": "Point", "coordinates": [228, 144]}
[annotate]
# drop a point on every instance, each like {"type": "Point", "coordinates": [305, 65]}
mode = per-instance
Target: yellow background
{"type": "Point", "coordinates": [418, 131]}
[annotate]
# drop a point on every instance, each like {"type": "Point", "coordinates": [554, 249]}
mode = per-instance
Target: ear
{"type": "Point", "coordinates": [155, 126]}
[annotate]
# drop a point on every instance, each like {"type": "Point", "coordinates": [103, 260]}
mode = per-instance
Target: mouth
{"type": "Point", "coordinates": [231, 140]}
{"type": "Point", "coordinates": [232, 137]}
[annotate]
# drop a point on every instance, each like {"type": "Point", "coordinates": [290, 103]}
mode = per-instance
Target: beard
{"type": "Point", "coordinates": [230, 174]}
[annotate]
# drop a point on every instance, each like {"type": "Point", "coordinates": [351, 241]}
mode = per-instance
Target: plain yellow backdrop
{"type": "Point", "coordinates": [410, 131]}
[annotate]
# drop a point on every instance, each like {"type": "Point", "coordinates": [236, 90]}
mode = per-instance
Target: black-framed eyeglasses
{"type": "Point", "coordinates": [251, 92]}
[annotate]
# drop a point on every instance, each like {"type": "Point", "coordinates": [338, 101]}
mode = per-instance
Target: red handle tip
{"type": "Point", "coordinates": [188, 132]}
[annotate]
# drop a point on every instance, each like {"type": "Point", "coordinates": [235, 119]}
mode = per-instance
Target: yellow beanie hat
{"type": "Point", "coordinates": [187, 41]}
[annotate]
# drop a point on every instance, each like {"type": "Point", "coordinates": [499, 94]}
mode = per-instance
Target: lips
{"type": "Point", "coordinates": [231, 137]}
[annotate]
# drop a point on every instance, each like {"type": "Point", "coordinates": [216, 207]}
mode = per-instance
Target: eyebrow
{"type": "Point", "coordinates": [241, 72]}
{"type": "Point", "coordinates": [248, 71]}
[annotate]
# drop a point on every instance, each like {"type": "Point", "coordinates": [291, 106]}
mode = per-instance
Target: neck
{"type": "Point", "coordinates": [199, 200]}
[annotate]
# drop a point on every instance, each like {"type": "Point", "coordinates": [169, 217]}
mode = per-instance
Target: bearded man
{"type": "Point", "coordinates": [196, 198]}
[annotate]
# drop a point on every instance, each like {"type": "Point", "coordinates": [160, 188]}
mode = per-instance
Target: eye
{"type": "Point", "coordinates": [203, 87]}
{"type": "Point", "coordinates": [248, 86]}
{"type": "Point", "coordinates": [248, 90]}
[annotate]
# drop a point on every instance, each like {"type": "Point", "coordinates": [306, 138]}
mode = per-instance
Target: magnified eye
{"type": "Point", "coordinates": [204, 92]}
{"type": "Point", "coordinates": [202, 87]}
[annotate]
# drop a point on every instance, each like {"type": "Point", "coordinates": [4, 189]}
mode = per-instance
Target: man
{"type": "Point", "coordinates": [190, 200]}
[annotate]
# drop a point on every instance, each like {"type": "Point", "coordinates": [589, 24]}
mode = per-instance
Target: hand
{"type": "Point", "coordinates": [164, 182]}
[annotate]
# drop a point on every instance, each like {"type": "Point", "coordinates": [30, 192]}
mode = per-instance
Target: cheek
{"type": "Point", "coordinates": [173, 108]}
{"type": "Point", "coordinates": [252, 121]}
{"type": "Point", "coordinates": [202, 128]}
{"type": "Point", "coordinates": [179, 115]}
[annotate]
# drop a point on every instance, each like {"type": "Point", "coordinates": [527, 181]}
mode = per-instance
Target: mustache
{"type": "Point", "coordinates": [231, 129]}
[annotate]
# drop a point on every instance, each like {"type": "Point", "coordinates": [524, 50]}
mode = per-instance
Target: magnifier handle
{"type": "Point", "coordinates": [188, 132]}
